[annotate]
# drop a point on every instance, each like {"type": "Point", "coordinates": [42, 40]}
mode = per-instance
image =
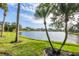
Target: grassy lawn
{"type": "Point", "coordinates": [29, 47]}
{"type": "Point", "coordinates": [76, 33]}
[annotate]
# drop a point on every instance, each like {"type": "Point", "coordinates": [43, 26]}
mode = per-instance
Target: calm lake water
{"type": "Point", "coordinates": [55, 36]}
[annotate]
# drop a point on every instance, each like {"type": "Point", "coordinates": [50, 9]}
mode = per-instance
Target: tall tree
{"type": "Point", "coordinates": [17, 23]}
{"type": "Point", "coordinates": [4, 6]}
{"type": "Point", "coordinates": [67, 10]}
{"type": "Point", "coordinates": [43, 11]}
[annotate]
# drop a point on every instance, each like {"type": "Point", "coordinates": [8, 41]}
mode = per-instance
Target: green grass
{"type": "Point", "coordinates": [30, 47]}
{"type": "Point", "coordinates": [76, 33]}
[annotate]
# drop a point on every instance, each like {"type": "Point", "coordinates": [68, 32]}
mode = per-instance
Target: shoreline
{"type": "Point", "coordinates": [30, 47]}
{"type": "Point", "coordinates": [57, 42]}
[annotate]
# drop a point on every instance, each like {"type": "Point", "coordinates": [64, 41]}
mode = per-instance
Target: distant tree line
{"type": "Point", "coordinates": [39, 29]}
{"type": "Point", "coordinates": [10, 27]}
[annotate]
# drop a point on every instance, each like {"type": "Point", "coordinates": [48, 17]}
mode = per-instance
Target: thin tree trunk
{"type": "Point", "coordinates": [17, 21]}
{"type": "Point", "coordinates": [48, 36]}
{"type": "Point", "coordinates": [3, 24]}
{"type": "Point", "coordinates": [66, 34]}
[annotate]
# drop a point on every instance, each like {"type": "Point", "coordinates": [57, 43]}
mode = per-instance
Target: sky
{"type": "Point", "coordinates": [27, 18]}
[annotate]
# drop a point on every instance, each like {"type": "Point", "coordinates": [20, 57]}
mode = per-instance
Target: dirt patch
{"type": "Point", "coordinates": [48, 52]}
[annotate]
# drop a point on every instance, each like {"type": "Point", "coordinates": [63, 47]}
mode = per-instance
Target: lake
{"type": "Point", "coordinates": [55, 36]}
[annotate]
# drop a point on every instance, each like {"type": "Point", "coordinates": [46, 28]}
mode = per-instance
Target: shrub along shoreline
{"type": "Point", "coordinates": [30, 47]}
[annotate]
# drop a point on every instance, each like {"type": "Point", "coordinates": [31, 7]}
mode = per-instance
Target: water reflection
{"type": "Point", "coordinates": [72, 38]}
{"type": "Point", "coordinates": [55, 36]}
{"type": "Point", "coordinates": [77, 39]}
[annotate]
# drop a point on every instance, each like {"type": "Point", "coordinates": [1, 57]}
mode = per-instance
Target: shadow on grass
{"type": "Point", "coordinates": [5, 53]}
{"type": "Point", "coordinates": [16, 42]}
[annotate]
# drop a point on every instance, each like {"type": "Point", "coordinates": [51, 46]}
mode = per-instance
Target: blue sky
{"type": "Point", "coordinates": [27, 18]}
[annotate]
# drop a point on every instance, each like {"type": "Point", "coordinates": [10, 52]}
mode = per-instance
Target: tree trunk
{"type": "Point", "coordinates": [66, 34]}
{"type": "Point", "coordinates": [17, 21]}
{"type": "Point", "coordinates": [3, 24]}
{"type": "Point", "coordinates": [49, 37]}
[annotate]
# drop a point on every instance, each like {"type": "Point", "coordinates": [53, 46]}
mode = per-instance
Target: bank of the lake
{"type": "Point", "coordinates": [29, 47]}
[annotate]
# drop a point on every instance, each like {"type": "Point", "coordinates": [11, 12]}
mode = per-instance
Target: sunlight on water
{"type": "Point", "coordinates": [55, 36]}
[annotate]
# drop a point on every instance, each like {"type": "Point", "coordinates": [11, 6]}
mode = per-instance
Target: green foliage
{"type": "Point", "coordinates": [57, 23]}
{"type": "Point", "coordinates": [67, 8]}
{"type": "Point", "coordinates": [11, 27]}
{"type": "Point", "coordinates": [7, 26]}
{"type": "Point", "coordinates": [43, 10]}
{"type": "Point", "coordinates": [62, 13]}
{"type": "Point", "coordinates": [4, 6]}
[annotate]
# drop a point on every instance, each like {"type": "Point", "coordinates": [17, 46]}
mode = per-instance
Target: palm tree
{"type": "Point", "coordinates": [43, 11]}
{"type": "Point", "coordinates": [66, 9]}
{"type": "Point", "coordinates": [4, 6]}
{"type": "Point", "coordinates": [17, 23]}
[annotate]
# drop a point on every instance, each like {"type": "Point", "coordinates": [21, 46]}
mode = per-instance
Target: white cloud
{"type": "Point", "coordinates": [33, 20]}
{"type": "Point", "coordinates": [31, 7]}
{"type": "Point", "coordinates": [26, 6]}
